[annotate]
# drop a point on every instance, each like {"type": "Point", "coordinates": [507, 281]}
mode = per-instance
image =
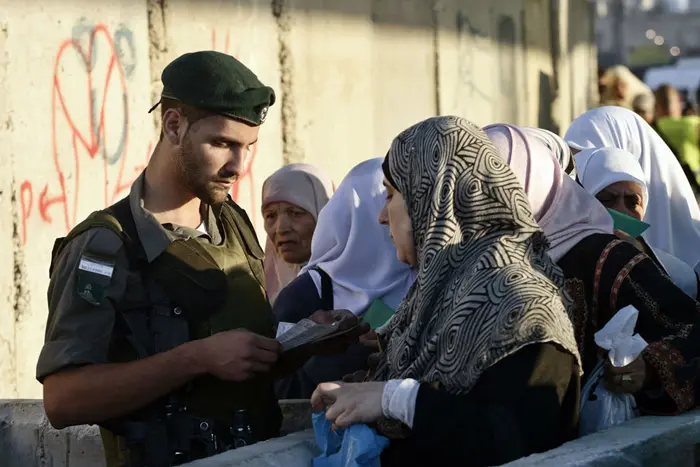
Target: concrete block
{"type": "Point", "coordinates": [295, 450]}
{"type": "Point", "coordinates": [644, 441]}
{"type": "Point", "coordinates": [404, 61]}
{"type": "Point", "coordinates": [77, 91]}
{"type": "Point", "coordinates": [296, 415]}
{"type": "Point", "coordinates": [481, 62]}
{"type": "Point", "coordinates": [330, 68]}
{"type": "Point", "coordinates": [27, 439]}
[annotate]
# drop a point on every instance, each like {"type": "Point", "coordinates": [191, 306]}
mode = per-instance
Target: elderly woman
{"type": "Point", "coordinates": [347, 239]}
{"type": "Point", "coordinates": [672, 211]}
{"type": "Point", "coordinates": [604, 274]}
{"type": "Point", "coordinates": [616, 179]}
{"type": "Point", "coordinates": [292, 198]}
{"type": "Point", "coordinates": [480, 365]}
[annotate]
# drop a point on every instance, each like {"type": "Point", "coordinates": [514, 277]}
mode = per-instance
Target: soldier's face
{"type": "Point", "coordinates": [213, 153]}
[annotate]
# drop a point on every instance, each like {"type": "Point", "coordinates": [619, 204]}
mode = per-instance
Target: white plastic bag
{"type": "Point", "coordinates": [601, 408]}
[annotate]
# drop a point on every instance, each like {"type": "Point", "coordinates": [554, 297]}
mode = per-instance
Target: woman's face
{"type": "Point", "coordinates": [395, 215]}
{"type": "Point", "coordinates": [290, 229]}
{"type": "Point", "coordinates": [624, 197]}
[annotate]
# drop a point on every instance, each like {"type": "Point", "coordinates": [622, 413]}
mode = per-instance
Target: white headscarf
{"type": "Point", "coordinates": [600, 168]}
{"type": "Point", "coordinates": [597, 169]}
{"type": "Point", "coordinates": [302, 185]}
{"type": "Point", "coordinates": [352, 247]}
{"type": "Point", "coordinates": [564, 211]}
{"type": "Point", "coordinates": [672, 211]}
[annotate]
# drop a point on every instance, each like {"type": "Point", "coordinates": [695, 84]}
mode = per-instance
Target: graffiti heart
{"type": "Point", "coordinates": [90, 128]}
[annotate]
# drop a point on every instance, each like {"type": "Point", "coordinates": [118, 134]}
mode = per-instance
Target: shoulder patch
{"type": "Point", "coordinates": [93, 276]}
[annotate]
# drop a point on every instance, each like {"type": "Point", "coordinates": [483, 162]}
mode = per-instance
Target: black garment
{"type": "Point", "coordinates": [524, 404]}
{"type": "Point", "coordinates": [298, 301]}
{"type": "Point", "coordinates": [605, 274]}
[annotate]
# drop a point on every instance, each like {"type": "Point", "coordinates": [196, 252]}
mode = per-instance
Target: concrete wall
{"type": "Point", "coordinates": [79, 76]}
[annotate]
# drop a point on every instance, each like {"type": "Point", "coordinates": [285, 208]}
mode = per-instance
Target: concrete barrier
{"type": "Point", "coordinates": [295, 450]}
{"type": "Point", "coordinates": [643, 442]}
{"type": "Point", "coordinates": [27, 440]}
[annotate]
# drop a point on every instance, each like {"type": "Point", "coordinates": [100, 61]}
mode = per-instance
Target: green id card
{"type": "Point", "coordinates": [377, 314]}
{"type": "Point", "coordinates": [627, 224]}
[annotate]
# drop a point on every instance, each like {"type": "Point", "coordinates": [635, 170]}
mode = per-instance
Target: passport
{"type": "Point", "coordinates": [377, 314]}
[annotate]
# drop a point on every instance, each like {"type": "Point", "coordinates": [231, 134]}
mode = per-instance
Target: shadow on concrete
{"type": "Point", "coordinates": [401, 13]}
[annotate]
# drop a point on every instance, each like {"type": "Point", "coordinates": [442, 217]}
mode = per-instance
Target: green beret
{"type": "Point", "coordinates": [217, 82]}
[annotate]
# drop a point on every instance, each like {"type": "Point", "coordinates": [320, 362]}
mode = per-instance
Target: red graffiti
{"type": "Point", "coordinates": [104, 128]}
{"type": "Point", "coordinates": [247, 176]}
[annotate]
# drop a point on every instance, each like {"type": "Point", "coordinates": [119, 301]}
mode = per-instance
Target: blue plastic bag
{"type": "Point", "coordinates": [355, 446]}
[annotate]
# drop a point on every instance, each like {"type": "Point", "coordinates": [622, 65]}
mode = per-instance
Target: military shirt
{"type": "Point", "coordinates": [79, 330]}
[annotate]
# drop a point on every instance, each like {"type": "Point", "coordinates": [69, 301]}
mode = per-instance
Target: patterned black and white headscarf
{"type": "Point", "coordinates": [485, 286]}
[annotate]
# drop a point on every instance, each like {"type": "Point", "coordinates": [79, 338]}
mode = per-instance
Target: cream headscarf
{"type": "Point", "coordinates": [302, 185]}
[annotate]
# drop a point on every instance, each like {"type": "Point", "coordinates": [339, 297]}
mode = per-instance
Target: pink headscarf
{"type": "Point", "coordinates": [564, 211]}
{"type": "Point", "coordinates": [302, 185]}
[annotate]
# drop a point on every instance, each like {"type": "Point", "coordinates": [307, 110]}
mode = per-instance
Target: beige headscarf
{"type": "Point", "coordinates": [302, 185]}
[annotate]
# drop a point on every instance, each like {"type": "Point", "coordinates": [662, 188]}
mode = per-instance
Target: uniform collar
{"type": "Point", "coordinates": [154, 237]}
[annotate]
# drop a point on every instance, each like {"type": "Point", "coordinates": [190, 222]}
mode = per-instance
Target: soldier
{"type": "Point", "coordinates": [159, 328]}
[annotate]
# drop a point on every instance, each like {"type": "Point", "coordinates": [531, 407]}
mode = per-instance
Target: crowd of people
{"type": "Point", "coordinates": [493, 246]}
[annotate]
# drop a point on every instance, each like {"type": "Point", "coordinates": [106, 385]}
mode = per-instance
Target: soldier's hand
{"type": "Point", "coordinates": [338, 345]}
{"type": "Point", "coordinates": [238, 355]}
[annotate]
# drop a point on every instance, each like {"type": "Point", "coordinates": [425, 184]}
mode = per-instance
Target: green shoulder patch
{"type": "Point", "coordinates": [93, 276]}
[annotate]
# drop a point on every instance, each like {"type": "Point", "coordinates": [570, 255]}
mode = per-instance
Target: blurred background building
{"type": "Point", "coordinates": [658, 40]}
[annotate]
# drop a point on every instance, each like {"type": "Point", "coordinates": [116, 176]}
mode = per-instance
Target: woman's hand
{"type": "Point", "coordinates": [626, 379]}
{"type": "Point", "coordinates": [349, 403]}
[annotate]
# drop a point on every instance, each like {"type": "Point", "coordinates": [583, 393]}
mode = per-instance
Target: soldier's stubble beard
{"type": "Point", "coordinates": [194, 176]}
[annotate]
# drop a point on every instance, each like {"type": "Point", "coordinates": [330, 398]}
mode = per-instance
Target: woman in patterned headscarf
{"type": "Point", "coordinates": [480, 360]}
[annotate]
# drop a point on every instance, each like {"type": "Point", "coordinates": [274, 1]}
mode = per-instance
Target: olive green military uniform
{"type": "Point", "coordinates": [202, 281]}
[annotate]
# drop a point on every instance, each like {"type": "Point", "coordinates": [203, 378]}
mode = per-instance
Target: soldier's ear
{"type": "Point", "coordinates": [174, 126]}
